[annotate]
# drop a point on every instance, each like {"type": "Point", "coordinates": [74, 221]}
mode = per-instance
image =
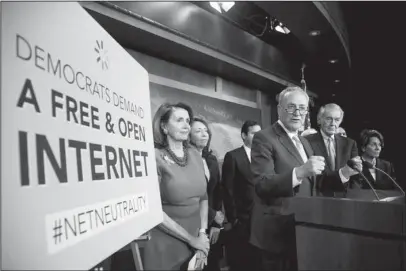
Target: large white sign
{"type": "Point", "coordinates": [78, 171]}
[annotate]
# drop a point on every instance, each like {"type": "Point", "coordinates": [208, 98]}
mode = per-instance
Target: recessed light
{"type": "Point", "coordinates": [222, 6]}
{"type": "Point", "coordinates": [332, 61]}
{"type": "Point", "coordinates": [333, 95]}
{"type": "Point", "coordinates": [336, 81]}
{"type": "Point", "coordinates": [282, 29]}
{"type": "Point", "coordinates": [314, 33]}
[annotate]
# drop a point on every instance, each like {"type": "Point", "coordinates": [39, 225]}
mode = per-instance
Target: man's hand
{"type": "Point", "coordinates": [314, 166]}
{"type": "Point", "coordinates": [358, 163]}
{"type": "Point", "coordinates": [219, 218]}
{"type": "Point", "coordinates": [214, 235]}
{"type": "Point", "coordinates": [348, 172]}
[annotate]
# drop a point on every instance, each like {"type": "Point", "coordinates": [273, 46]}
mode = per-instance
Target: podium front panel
{"type": "Point", "coordinates": [349, 234]}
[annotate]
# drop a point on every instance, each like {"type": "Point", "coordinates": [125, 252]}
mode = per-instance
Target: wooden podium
{"type": "Point", "coordinates": [352, 233]}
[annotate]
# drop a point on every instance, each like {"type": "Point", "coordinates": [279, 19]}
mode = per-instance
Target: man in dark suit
{"type": "Point", "coordinates": [238, 199]}
{"type": "Point", "coordinates": [216, 217]}
{"type": "Point", "coordinates": [336, 149]}
{"type": "Point", "coordinates": [282, 166]}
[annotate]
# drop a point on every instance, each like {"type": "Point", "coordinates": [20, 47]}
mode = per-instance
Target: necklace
{"type": "Point", "coordinates": [180, 161]}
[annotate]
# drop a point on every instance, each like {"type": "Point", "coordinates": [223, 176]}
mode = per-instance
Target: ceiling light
{"type": "Point", "coordinates": [336, 81]}
{"type": "Point", "coordinates": [216, 6]}
{"type": "Point", "coordinates": [226, 5]}
{"type": "Point", "coordinates": [279, 27]}
{"type": "Point", "coordinates": [332, 61]}
{"type": "Point", "coordinates": [314, 33]}
{"type": "Point", "coordinates": [222, 6]}
{"type": "Point", "coordinates": [333, 95]}
{"type": "Point", "coordinates": [282, 29]}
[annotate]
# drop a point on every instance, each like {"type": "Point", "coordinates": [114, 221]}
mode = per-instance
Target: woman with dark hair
{"type": "Point", "coordinates": [200, 137]}
{"type": "Point", "coordinates": [371, 142]}
{"type": "Point", "coordinates": [183, 193]}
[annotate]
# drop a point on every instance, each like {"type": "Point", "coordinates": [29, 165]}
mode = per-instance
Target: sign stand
{"type": "Point", "coordinates": [135, 248]}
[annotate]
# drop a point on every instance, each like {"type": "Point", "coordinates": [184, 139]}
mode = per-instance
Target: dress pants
{"type": "Point", "coordinates": [215, 255]}
{"type": "Point", "coordinates": [282, 261]}
{"type": "Point", "coordinates": [276, 262]}
{"type": "Point", "coordinates": [239, 252]}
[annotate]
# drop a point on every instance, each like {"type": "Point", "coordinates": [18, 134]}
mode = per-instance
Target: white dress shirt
{"type": "Point", "coordinates": [206, 169]}
{"type": "Point", "coordinates": [248, 152]}
{"type": "Point", "coordinates": [340, 171]}
{"type": "Point", "coordinates": [295, 180]}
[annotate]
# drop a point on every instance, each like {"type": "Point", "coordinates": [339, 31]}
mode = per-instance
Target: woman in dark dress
{"type": "Point", "coordinates": [200, 137]}
{"type": "Point", "coordinates": [371, 142]}
{"type": "Point", "coordinates": [183, 193]}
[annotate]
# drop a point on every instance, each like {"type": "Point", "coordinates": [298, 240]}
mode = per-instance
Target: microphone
{"type": "Point", "coordinates": [352, 164]}
{"type": "Point", "coordinates": [370, 165]}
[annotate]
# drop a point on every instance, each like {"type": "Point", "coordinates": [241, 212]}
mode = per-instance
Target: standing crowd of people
{"type": "Point", "coordinates": [243, 206]}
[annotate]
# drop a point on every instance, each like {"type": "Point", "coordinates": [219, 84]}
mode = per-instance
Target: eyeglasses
{"type": "Point", "coordinates": [293, 109]}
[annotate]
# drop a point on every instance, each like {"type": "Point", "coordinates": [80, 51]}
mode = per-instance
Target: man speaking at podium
{"type": "Point", "coordinates": [336, 149]}
{"type": "Point", "coordinates": [282, 166]}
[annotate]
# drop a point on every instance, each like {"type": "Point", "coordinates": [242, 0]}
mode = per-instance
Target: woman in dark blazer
{"type": "Point", "coordinates": [200, 137]}
{"type": "Point", "coordinates": [371, 142]}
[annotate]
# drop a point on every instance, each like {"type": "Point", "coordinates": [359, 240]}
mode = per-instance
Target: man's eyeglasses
{"type": "Point", "coordinates": [293, 109]}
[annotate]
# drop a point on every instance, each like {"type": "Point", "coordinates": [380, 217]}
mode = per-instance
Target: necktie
{"type": "Point", "coordinates": [331, 153]}
{"type": "Point", "coordinates": [305, 186]}
{"type": "Point", "coordinates": [300, 148]}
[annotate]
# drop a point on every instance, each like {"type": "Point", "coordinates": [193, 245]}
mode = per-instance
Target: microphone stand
{"type": "Point", "coordinates": [370, 185]}
{"type": "Point", "coordinates": [398, 186]}
{"type": "Point", "coordinates": [351, 164]}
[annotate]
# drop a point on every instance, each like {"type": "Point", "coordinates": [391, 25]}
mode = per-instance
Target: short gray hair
{"type": "Point", "coordinates": [329, 107]}
{"type": "Point", "coordinates": [288, 90]}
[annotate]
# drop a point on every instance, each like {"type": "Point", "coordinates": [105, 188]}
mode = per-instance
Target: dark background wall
{"type": "Point", "coordinates": [224, 104]}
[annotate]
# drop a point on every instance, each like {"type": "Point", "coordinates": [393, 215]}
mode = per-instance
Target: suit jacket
{"type": "Point", "coordinates": [382, 181]}
{"type": "Point", "coordinates": [214, 191]}
{"type": "Point", "coordinates": [273, 158]}
{"type": "Point", "coordinates": [345, 147]}
{"type": "Point", "coordinates": [238, 186]}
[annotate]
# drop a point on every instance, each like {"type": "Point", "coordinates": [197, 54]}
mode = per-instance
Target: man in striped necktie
{"type": "Point", "coordinates": [336, 149]}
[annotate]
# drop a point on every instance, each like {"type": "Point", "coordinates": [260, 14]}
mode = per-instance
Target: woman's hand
{"type": "Point", "coordinates": [200, 243]}
{"type": "Point", "coordinates": [201, 260]}
{"type": "Point", "coordinates": [219, 218]}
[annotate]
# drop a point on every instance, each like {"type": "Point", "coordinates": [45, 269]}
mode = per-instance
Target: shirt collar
{"type": "Point", "coordinates": [290, 134]}
{"type": "Point", "coordinates": [326, 137]}
{"type": "Point", "coordinates": [373, 161]}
